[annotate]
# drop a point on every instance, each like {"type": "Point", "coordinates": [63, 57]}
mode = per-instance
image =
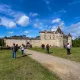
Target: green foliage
{"type": "Point", "coordinates": [2, 43]}
{"type": "Point", "coordinates": [76, 42]}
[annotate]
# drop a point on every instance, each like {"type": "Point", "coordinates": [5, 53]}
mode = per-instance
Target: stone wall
{"type": "Point", "coordinates": [34, 43]}
{"type": "Point", "coordinates": [10, 42]}
{"type": "Point", "coordinates": [55, 41]}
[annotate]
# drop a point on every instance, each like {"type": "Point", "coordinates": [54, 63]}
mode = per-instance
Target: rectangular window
{"type": "Point", "coordinates": [44, 36]}
{"type": "Point", "coordinates": [53, 36]}
{"type": "Point", "coordinates": [50, 36]}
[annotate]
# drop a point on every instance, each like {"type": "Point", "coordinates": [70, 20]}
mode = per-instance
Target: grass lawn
{"type": "Point", "coordinates": [22, 68]}
{"type": "Point", "coordinates": [61, 52]}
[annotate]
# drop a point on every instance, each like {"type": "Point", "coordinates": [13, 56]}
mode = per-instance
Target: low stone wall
{"type": "Point", "coordinates": [10, 42]}
{"type": "Point", "coordinates": [34, 43]}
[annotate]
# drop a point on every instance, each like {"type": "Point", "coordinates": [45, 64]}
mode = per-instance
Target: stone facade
{"type": "Point", "coordinates": [53, 38]}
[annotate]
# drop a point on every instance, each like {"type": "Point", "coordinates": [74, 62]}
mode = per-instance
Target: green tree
{"type": "Point", "coordinates": [76, 42]}
{"type": "Point", "coordinates": [2, 43]}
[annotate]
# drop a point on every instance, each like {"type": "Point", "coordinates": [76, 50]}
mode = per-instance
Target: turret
{"type": "Point", "coordinates": [59, 37]}
{"type": "Point", "coordinates": [69, 39]}
{"type": "Point", "coordinates": [42, 35]}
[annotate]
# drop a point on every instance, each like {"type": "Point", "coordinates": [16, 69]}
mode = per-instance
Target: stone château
{"type": "Point", "coordinates": [53, 38]}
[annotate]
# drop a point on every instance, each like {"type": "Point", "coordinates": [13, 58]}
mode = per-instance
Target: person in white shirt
{"type": "Point", "coordinates": [22, 49]}
{"type": "Point", "coordinates": [68, 49]}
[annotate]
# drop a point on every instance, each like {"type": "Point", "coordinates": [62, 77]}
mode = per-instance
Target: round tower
{"type": "Point", "coordinates": [59, 37]}
{"type": "Point", "coordinates": [70, 39]}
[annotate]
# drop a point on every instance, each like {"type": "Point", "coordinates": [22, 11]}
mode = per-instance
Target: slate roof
{"type": "Point", "coordinates": [69, 35]}
{"type": "Point", "coordinates": [59, 30]}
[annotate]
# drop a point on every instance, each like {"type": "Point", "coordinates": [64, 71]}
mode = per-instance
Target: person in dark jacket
{"type": "Point", "coordinates": [47, 48]}
{"type": "Point", "coordinates": [16, 47]}
{"type": "Point", "coordinates": [43, 46]}
{"type": "Point", "coordinates": [68, 49]}
{"type": "Point", "coordinates": [14, 51]}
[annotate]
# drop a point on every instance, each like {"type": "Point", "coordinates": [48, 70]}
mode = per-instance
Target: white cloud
{"type": "Point", "coordinates": [16, 17]}
{"type": "Point", "coordinates": [23, 20]}
{"type": "Point", "coordinates": [33, 14]}
{"type": "Point", "coordinates": [10, 32]}
{"type": "Point", "coordinates": [39, 25]}
{"type": "Point", "coordinates": [6, 9]}
{"type": "Point", "coordinates": [57, 20]}
{"type": "Point", "coordinates": [54, 28]}
{"type": "Point", "coordinates": [74, 29]}
{"type": "Point", "coordinates": [12, 24]}
{"type": "Point", "coordinates": [36, 25]}
{"type": "Point", "coordinates": [26, 32]}
{"type": "Point", "coordinates": [7, 22]}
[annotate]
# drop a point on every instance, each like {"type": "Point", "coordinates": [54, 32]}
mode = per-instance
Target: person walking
{"type": "Point", "coordinates": [47, 48]}
{"type": "Point", "coordinates": [22, 49]}
{"type": "Point", "coordinates": [14, 51]}
{"type": "Point", "coordinates": [68, 49]}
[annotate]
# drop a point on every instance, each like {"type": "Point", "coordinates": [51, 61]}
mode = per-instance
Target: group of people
{"type": "Point", "coordinates": [68, 47]}
{"type": "Point", "coordinates": [15, 49]}
{"type": "Point", "coordinates": [47, 48]}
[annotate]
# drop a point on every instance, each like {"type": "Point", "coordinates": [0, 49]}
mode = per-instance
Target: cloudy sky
{"type": "Point", "coordinates": [28, 17]}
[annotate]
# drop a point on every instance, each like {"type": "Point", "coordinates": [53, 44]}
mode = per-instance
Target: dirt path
{"type": "Point", "coordinates": [65, 69]}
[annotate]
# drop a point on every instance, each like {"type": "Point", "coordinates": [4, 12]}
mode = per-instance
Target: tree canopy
{"type": "Point", "coordinates": [2, 43]}
{"type": "Point", "coordinates": [76, 42]}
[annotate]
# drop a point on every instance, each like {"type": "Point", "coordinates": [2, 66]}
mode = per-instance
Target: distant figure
{"type": "Point", "coordinates": [22, 49]}
{"type": "Point", "coordinates": [68, 48]}
{"type": "Point", "coordinates": [14, 51]}
{"type": "Point", "coordinates": [43, 46]}
{"type": "Point", "coordinates": [47, 48]}
{"type": "Point", "coordinates": [27, 45]}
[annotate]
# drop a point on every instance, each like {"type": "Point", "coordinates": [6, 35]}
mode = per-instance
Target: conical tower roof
{"type": "Point", "coordinates": [69, 35]}
{"type": "Point", "coordinates": [59, 30]}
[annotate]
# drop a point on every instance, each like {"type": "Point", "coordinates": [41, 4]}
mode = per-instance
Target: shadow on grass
{"type": "Point", "coordinates": [24, 55]}
{"type": "Point", "coordinates": [29, 54]}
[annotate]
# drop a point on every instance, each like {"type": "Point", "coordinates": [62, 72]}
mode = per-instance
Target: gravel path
{"type": "Point", "coordinates": [65, 69]}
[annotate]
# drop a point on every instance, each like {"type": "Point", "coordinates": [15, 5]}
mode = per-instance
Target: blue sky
{"type": "Point", "coordinates": [28, 17]}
